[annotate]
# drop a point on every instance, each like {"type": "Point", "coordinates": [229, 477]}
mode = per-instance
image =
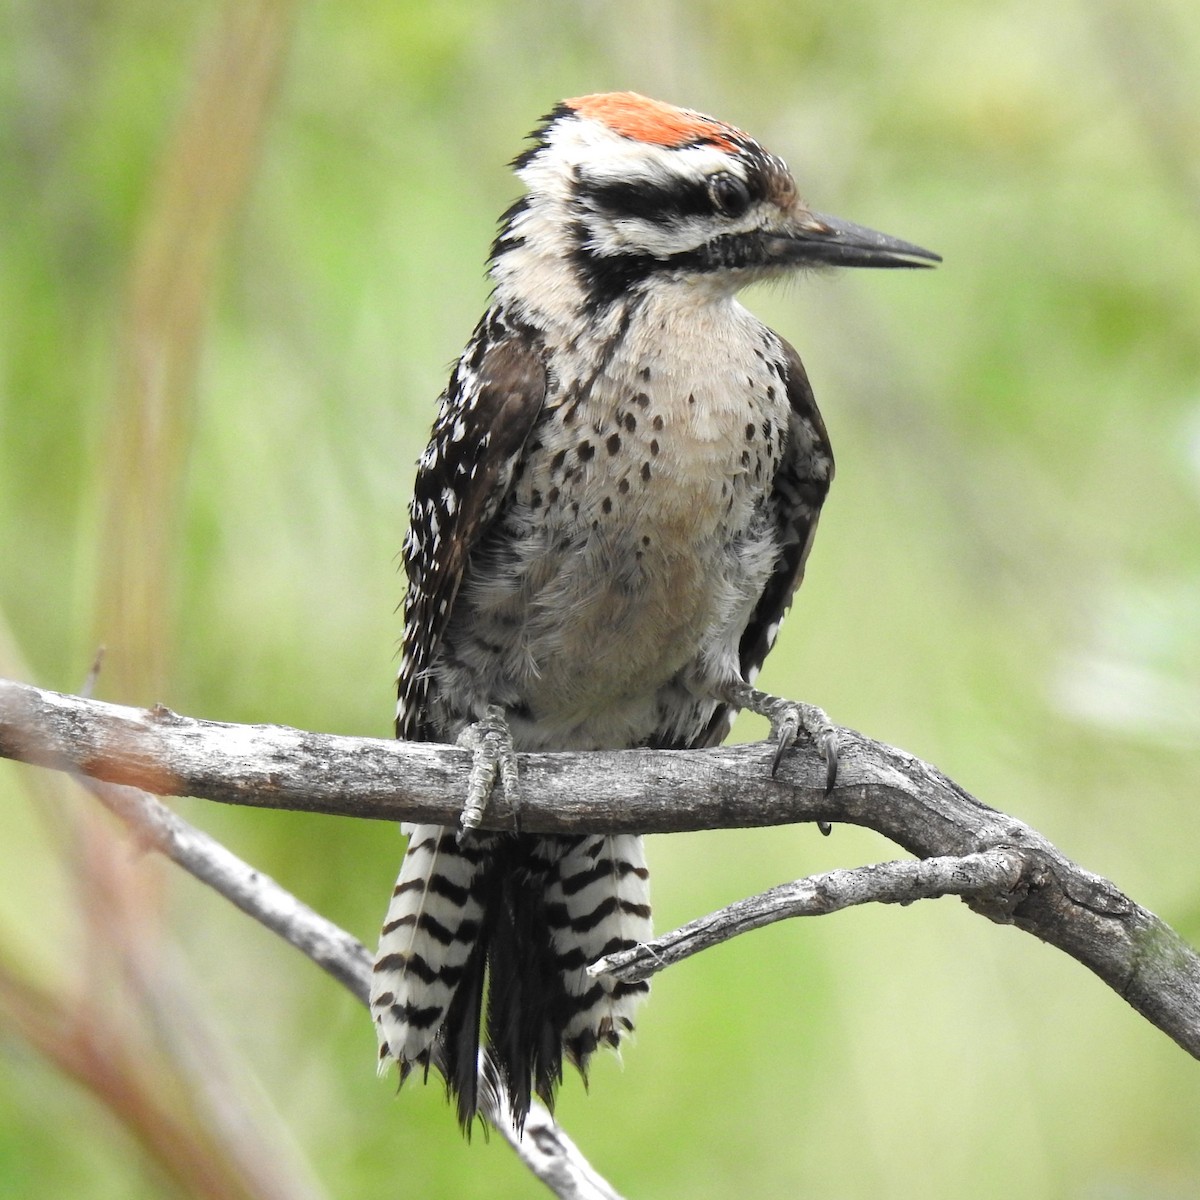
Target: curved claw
{"type": "Point", "coordinates": [828, 741]}
{"type": "Point", "coordinates": [784, 727]}
{"type": "Point", "coordinates": [788, 718]}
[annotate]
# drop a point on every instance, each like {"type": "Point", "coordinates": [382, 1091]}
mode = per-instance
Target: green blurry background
{"type": "Point", "coordinates": [238, 248]}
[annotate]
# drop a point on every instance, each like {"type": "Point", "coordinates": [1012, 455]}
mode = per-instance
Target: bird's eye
{"type": "Point", "coordinates": [729, 195]}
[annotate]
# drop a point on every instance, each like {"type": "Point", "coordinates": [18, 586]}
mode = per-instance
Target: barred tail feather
{"type": "Point", "coordinates": [429, 940]}
{"type": "Point", "coordinates": [598, 903]}
{"type": "Point", "coordinates": [530, 913]}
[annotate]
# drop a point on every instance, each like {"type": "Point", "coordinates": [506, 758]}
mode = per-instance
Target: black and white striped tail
{"type": "Point", "coordinates": [496, 935]}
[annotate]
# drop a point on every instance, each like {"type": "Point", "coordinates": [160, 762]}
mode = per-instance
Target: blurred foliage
{"type": "Point", "coordinates": [240, 246]}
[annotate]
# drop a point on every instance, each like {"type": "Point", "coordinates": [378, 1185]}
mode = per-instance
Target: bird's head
{"type": "Point", "coordinates": [630, 190]}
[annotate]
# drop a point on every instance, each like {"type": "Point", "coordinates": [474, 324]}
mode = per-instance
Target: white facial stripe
{"type": "Point", "coordinates": [609, 156]}
{"type": "Point", "coordinates": [575, 143]}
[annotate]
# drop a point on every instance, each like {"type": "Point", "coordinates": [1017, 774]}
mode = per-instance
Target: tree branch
{"type": "Point", "coordinates": [987, 875]}
{"type": "Point", "coordinates": [879, 787]}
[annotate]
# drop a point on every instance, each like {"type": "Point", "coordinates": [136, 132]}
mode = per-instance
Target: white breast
{"type": "Point", "coordinates": [639, 535]}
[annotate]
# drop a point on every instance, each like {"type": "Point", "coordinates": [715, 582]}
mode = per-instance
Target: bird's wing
{"type": "Point", "coordinates": [490, 405]}
{"type": "Point", "coordinates": [801, 483]}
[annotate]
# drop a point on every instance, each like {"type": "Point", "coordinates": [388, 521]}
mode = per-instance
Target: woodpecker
{"type": "Point", "coordinates": [609, 522]}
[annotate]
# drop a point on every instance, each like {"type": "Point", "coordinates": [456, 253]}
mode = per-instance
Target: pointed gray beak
{"type": "Point", "coordinates": [818, 239]}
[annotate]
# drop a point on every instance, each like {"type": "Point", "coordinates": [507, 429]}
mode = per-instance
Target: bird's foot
{"type": "Point", "coordinates": [788, 719]}
{"type": "Point", "coordinates": [492, 758]}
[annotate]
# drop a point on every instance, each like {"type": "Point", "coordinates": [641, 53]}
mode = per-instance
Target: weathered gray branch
{"type": "Point", "coordinates": [988, 875]}
{"type": "Point", "coordinates": [879, 787]}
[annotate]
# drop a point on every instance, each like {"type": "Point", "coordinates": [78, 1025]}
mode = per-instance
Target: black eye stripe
{"type": "Point", "coordinates": [609, 272]}
{"type": "Point", "coordinates": [651, 202]}
{"type": "Point", "coordinates": [721, 193]}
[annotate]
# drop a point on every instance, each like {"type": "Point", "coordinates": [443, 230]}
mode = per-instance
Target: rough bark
{"type": "Point", "coordinates": [879, 787]}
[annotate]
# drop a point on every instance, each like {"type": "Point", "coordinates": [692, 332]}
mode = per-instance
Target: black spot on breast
{"type": "Point", "coordinates": [646, 472]}
{"type": "Point", "coordinates": [658, 422]}
{"type": "Point", "coordinates": [642, 400]}
{"type": "Point", "coordinates": [613, 444]}
{"type": "Point", "coordinates": [750, 432]}
{"type": "Point", "coordinates": [556, 463]}
{"type": "Point", "coordinates": [623, 487]}
{"type": "Point", "coordinates": [586, 451]}
{"type": "Point", "coordinates": [606, 504]}
{"type": "Point", "coordinates": [654, 447]}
